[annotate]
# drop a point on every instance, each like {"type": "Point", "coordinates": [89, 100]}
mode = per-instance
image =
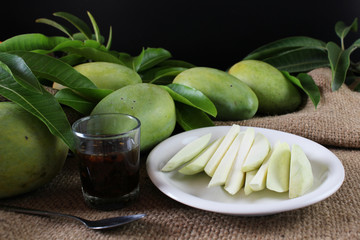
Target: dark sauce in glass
{"type": "Point", "coordinates": [109, 169]}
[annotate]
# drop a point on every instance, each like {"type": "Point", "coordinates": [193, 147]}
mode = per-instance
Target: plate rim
{"type": "Point", "coordinates": [335, 168]}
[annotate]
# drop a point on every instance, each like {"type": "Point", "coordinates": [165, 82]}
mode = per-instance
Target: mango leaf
{"type": "Point", "coordinates": [32, 41]}
{"type": "Point", "coordinates": [339, 61]}
{"type": "Point", "coordinates": [342, 30]}
{"type": "Point", "coordinates": [157, 73]}
{"type": "Point", "coordinates": [55, 70]}
{"type": "Point", "coordinates": [88, 49]}
{"type": "Point", "coordinates": [125, 58]}
{"type": "Point", "coordinates": [95, 27]}
{"type": "Point", "coordinates": [299, 60]}
{"type": "Point", "coordinates": [357, 88]}
{"type": "Point", "coordinates": [152, 57]}
{"type": "Point", "coordinates": [307, 84]}
{"type": "Point", "coordinates": [72, 59]}
{"type": "Point", "coordinates": [69, 98]}
{"type": "Point", "coordinates": [80, 36]}
{"type": "Point", "coordinates": [77, 22]}
{"type": "Point", "coordinates": [55, 25]}
{"type": "Point", "coordinates": [109, 42]}
{"type": "Point", "coordinates": [192, 97]}
{"type": "Point", "coordinates": [175, 63]}
{"type": "Point", "coordinates": [94, 54]}
{"type": "Point", "coordinates": [21, 72]}
{"type": "Point", "coordinates": [136, 61]}
{"type": "Point", "coordinates": [42, 105]}
{"type": "Point", "coordinates": [284, 45]}
{"type": "Point", "coordinates": [191, 118]}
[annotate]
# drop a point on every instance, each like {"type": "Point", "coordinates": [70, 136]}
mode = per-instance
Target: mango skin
{"type": "Point", "coordinates": [276, 94]}
{"type": "Point", "coordinates": [233, 99]}
{"type": "Point", "coordinates": [107, 75]}
{"type": "Point", "coordinates": [30, 156]}
{"type": "Point", "coordinates": [151, 104]}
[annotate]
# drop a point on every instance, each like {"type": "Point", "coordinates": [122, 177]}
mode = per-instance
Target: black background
{"type": "Point", "coordinates": [206, 33]}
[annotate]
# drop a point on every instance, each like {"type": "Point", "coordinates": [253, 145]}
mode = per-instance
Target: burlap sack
{"type": "Point", "coordinates": [338, 217]}
{"type": "Point", "coordinates": [335, 122]}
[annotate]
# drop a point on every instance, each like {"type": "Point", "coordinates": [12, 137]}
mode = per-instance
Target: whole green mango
{"type": "Point", "coordinates": [30, 156]}
{"type": "Point", "coordinates": [233, 99]}
{"type": "Point", "coordinates": [276, 94]}
{"type": "Point", "coordinates": [106, 75]}
{"type": "Point", "coordinates": [151, 104]}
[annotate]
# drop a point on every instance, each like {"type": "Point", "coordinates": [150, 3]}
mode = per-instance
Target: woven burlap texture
{"type": "Point", "coordinates": [335, 122]}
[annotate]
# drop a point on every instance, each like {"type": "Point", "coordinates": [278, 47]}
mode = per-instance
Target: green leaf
{"type": "Point", "coordinates": [339, 62]}
{"type": "Point", "coordinates": [95, 27]}
{"type": "Point", "coordinates": [299, 60]}
{"type": "Point", "coordinates": [158, 73]}
{"type": "Point", "coordinates": [192, 97]}
{"type": "Point", "coordinates": [69, 98]}
{"type": "Point", "coordinates": [125, 58]}
{"type": "Point", "coordinates": [21, 72]}
{"type": "Point", "coordinates": [307, 84]}
{"type": "Point", "coordinates": [55, 70]}
{"type": "Point", "coordinates": [342, 30]}
{"type": "Point", "coordinates": [55, 25]}
{"type": "Point", "coordinates": [77, 22]}
{"type": "Point", "coordinates": [191, 118]}
{"type": "Point", "coordinates": [73, 59]}
{"type": "Point", "coordinates": [108, 45]}
{"type": "Point", "coordinates": [89, 49]}
{"type": "Point", "coordinates": [357, 88]}
{"type": "Point", "coordinates": [30, 42]}
{"type": "Point", "coordinates": [152, 57]}
{"type": "Point", "coordinates": [136, 61]}
{"type": "Point", "coordinates": [175, 63]}
{"type": "Point", "coordinates": [284, 45]}
{"type": "Point", "coordinates": [42, 105]}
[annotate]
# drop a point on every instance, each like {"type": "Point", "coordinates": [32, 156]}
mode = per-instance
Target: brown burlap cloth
{"type": "Point", "coordinates": [335, 124]}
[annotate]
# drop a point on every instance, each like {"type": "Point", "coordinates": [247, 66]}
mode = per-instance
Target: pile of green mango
{"type": "Point", "coordinates": [248, 88]}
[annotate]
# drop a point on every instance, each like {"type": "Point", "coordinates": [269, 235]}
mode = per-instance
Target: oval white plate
{"type": "Point", "coordinates": [192, 190]}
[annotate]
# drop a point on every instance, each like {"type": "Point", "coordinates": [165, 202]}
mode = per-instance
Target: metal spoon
{"type": "Point", "coordinates": [97, 224]}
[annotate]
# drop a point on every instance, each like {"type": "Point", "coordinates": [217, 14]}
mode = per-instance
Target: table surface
{"type": "Point", "coordinates": [337, 217]}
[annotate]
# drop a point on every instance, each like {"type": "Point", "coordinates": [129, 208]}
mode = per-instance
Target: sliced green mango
{"type": "Point", "coordinates": [301, 175]}
{"type": "Point", "coordinates": [279, 168]}
{"type": "Point", "coordinates": [199, 162]}
{"type": "Point", "coordinates": [187, 153]}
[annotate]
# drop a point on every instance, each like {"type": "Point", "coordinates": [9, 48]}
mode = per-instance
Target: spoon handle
{"type": "Point", "coordinates": [32, 211]}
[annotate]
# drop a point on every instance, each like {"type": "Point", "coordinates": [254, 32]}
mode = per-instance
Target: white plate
{"type": "Point", "coordinates": [193, 191]}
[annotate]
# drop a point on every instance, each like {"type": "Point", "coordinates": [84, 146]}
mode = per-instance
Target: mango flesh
{"type": "Point", "coordinates": [151, 104]}
{"type": "Point", "coordinates": [199, 162]}
{"type": "Point", "coordinates": [233, 99]}
{"type": "Point", "coordinates": [279, 168]}
{"type": "Point", "coordinates": [187, 153]}
{"type": "Point", "coordinates": [30, 156]}
{"type": "Point", "coordinates": [106, 75]}
{"type": "Point", "coordinates": [275, 93]}
{"type": "Point", "coordinates": [301, 176]}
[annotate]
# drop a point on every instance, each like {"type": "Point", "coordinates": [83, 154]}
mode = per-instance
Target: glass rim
{"type": "Point", "coordinates": [107, 136]}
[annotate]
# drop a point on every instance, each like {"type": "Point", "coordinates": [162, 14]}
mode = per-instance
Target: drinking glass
{"type": "Point", "coordinates": [108, 153]}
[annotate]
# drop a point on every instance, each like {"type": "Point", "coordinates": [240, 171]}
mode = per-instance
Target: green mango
{"type": "Point", "coordinates": [151, 104]}
{"type": "Point", "coordinates": [276, 94]}
{"type": "Point", "coordinates": [106, 75]}
{"type": "Point", "coordinates": [30, 156]}
{"type": "Point", "coordinates": [233, 99]}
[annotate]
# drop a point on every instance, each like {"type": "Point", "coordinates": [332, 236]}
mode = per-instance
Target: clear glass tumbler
{"type": "Point", "coordinates": [108, 153]}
